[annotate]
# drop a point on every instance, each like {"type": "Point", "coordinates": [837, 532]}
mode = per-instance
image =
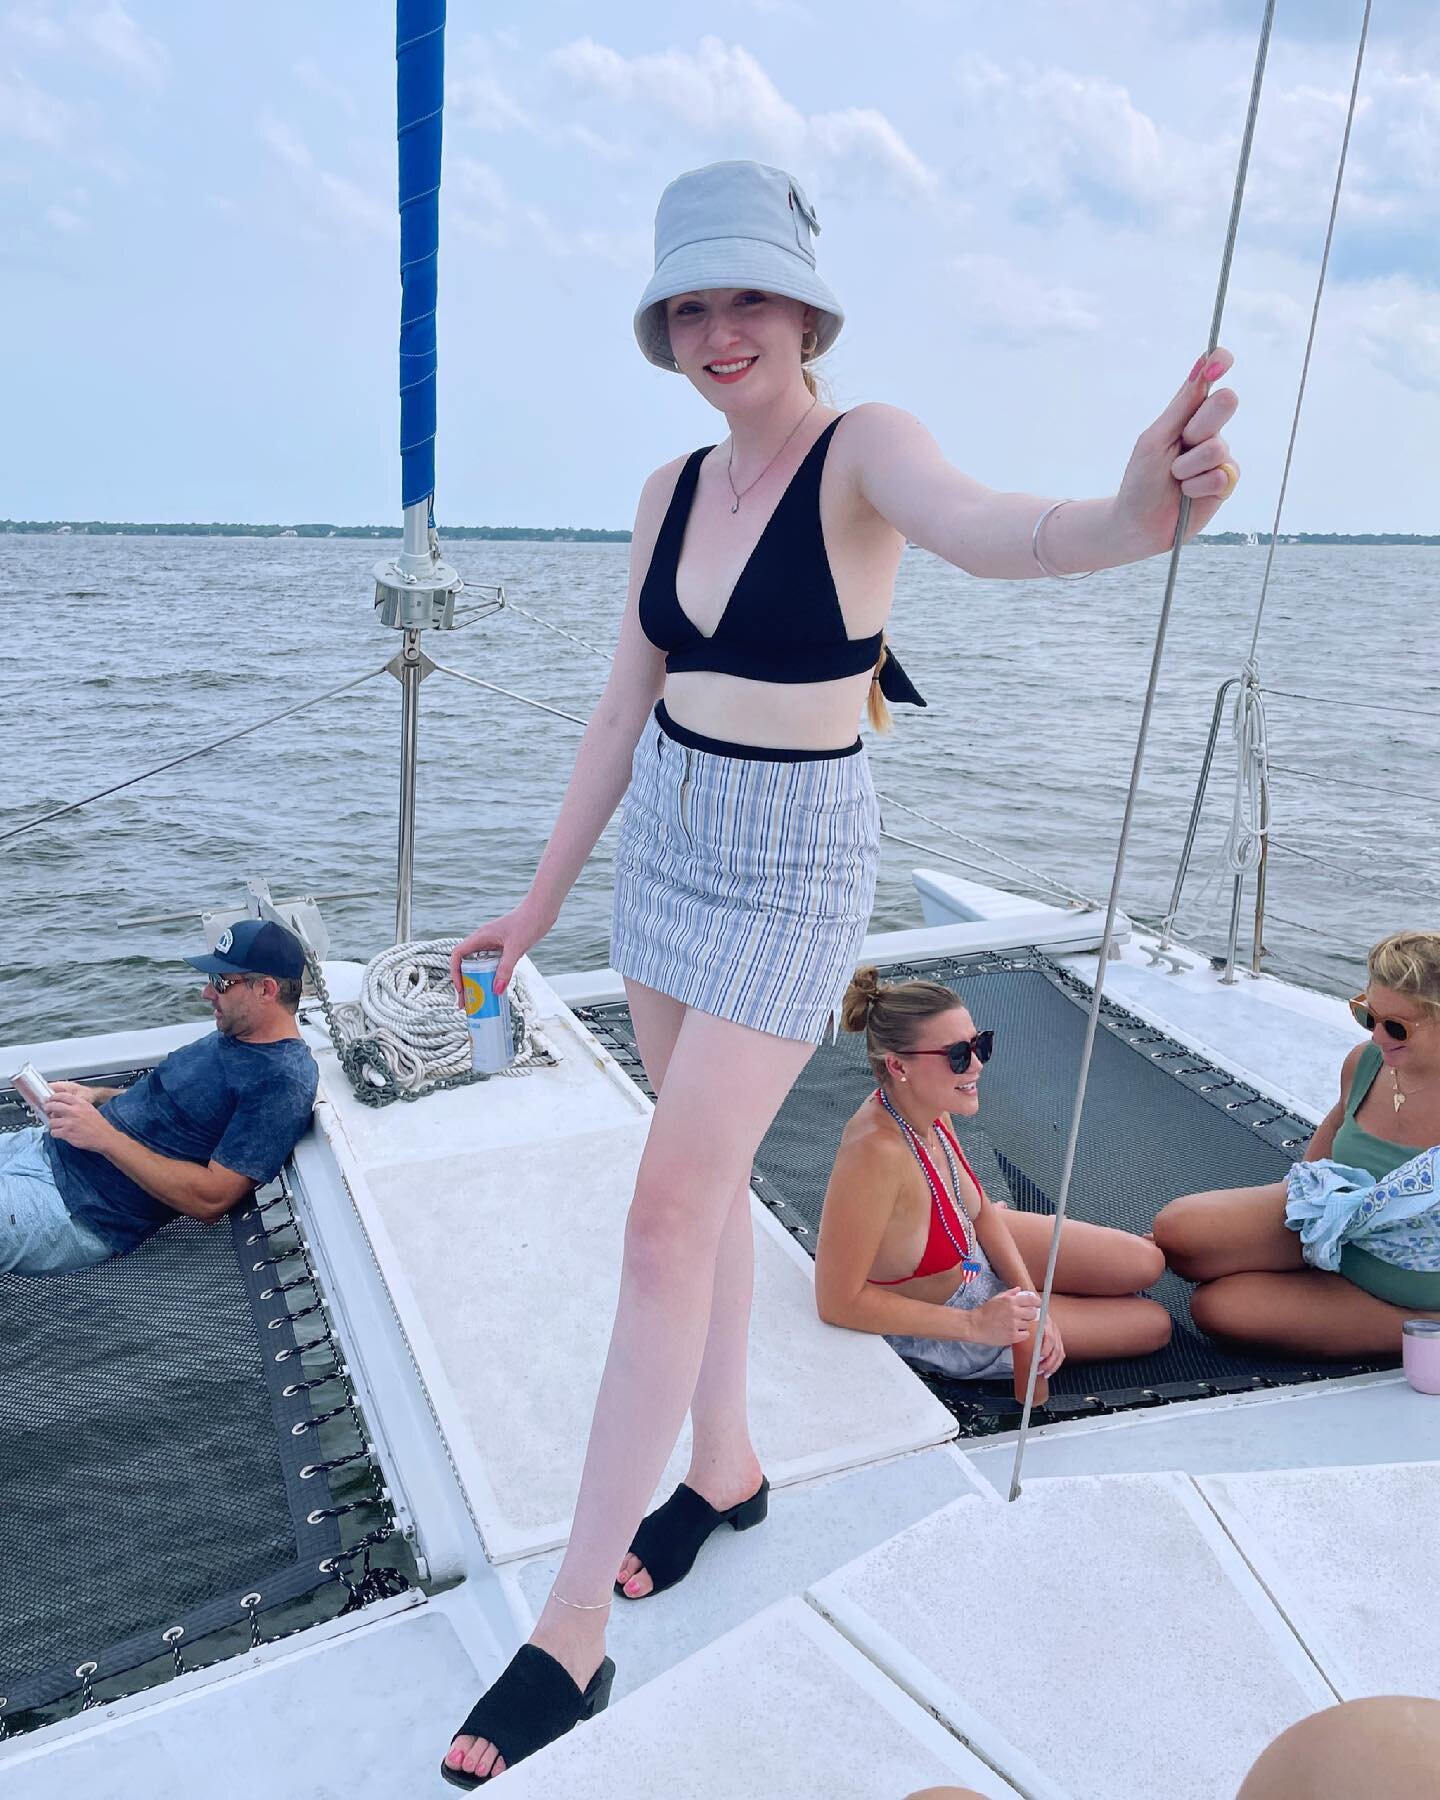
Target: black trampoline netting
{"type": "Point", "coordinates": [1159, 1121]}
{"type": "Point", "coordinates": [150, 1473]}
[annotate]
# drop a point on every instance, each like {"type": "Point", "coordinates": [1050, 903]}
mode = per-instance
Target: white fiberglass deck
{"type": "Point", "coordinates": [780, 1706]}
{"type": "Point", "coordinates": [497, 1211]}
{"type": "Point", "coordinates": [1097, 1640]}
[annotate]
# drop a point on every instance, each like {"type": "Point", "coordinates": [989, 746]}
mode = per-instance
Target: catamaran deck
{"type": "Point", "coordinates": [1138, 1623]}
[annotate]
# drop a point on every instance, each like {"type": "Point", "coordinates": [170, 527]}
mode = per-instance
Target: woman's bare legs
{"type": "Point", "coordinates": [724, 1468]}
{"type": "Point", "coordinates": [1306, 1313]}
{"type": "Point", "coordinates": [1098, 1275]}
{"type": "Point", "coordinates": [1204, 1236]}
{"type": "Point", "coordinates": [723, 1085]}
{"type": "Point", "coordinates": [1255, 1287]}
{"type": "Point", "coordinates": [1093, 1259]}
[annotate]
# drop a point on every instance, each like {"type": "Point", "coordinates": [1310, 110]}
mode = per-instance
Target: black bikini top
{"type": "Point", "coordinates": [783, 621]}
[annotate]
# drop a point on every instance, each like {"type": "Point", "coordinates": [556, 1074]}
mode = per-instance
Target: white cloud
{"type": "Point", "coordinates": [114, 37]}
{"type": "Point", "coordinates": [336, 202]}
{"type": "Point", "coordinates": [100, 31]}
{"type": "Point", "coordinates": [476, 95]}
{"type": "Point", "coordinates": [61, 219]}
{"type": "Point", "coordinates": [997, 300]}
{"type": "Point", "coordinates": [33, 26]}
{"type": "Point", "coordinates": [1062, 141]}
{"type": "Point", "coordinates": [1058, 141]}
{"type": "Point", "coordinates": [1271, 315]}
{"type": "Point", "coordinates": [311, 75]}
{"type": "Point", "coordinates": [1398, 327]}
{"type": "Point", "coordinates": [721, 92]}
{"type": "Point", "coordinates": [29, 113]}
{"type": "Point", "coordinates": [479, 206]}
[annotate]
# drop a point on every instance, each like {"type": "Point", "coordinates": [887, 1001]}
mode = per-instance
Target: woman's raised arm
{"type": "Point", "coordinates": [904, 477]}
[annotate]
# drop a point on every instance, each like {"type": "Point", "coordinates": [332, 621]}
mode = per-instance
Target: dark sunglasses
{"type": "Point", "coordinates": [959, 1054]}
{"type": "Point", "coordinates": [222, 984]}
{"type": "Point", "coordinates": [1395, 1029]}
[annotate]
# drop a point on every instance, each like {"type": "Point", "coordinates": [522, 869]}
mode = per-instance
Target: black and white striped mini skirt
{"type": "Point", "coordinates": [744, 878]}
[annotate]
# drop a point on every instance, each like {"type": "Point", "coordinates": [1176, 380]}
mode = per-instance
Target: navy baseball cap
{"type": "Point", "coordinates": [254, 947]}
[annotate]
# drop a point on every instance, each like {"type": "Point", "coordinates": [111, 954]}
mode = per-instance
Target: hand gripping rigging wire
{"type": "Point", "coordinates": [1248, 835]}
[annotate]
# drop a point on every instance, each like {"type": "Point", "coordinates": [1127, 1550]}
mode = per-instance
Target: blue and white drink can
{"type": "Point", "coordinates": [486, 1013]}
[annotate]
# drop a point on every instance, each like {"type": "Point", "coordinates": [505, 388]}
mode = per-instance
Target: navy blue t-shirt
{"type": "Point", "coordinates": [241, 1105]}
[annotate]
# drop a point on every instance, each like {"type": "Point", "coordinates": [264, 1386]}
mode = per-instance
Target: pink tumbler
{"type": "Point", "coordinates": [1422, 1355]}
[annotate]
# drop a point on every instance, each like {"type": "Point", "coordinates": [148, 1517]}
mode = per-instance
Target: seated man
{"type": "Point", "coordinates": [196, 1135]}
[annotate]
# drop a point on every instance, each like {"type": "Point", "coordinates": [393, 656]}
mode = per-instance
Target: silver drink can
{"type": "Point", "coordinates": [486, 1013]}
{"type": "Point", "coordinates": [33, 1089]}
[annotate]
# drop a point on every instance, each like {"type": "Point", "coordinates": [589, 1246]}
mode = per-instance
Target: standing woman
{"type": "Point", "coordinates": [761, 577]}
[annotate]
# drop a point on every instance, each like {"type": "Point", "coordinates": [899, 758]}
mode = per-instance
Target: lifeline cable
{"type": "Point", "coordinates": [1113, 905]}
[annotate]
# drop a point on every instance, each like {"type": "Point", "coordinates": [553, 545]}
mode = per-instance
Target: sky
{"type": "Point", "coordinates": [1022, 207]}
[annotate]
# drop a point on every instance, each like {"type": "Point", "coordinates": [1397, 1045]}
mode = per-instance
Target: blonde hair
{"type": "Point", "coordinates": [889, 1014]}
{"type": "Point", "coordinates": [1408, 962]}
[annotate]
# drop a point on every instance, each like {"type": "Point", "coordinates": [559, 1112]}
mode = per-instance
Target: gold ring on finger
{"type": "Point", "coordinates": [1232, 477]}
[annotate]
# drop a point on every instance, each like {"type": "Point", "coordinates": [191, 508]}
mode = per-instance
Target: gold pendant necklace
{"type": "Point", "coordinates": [1395, 1083]}
{"type": "Point", "coordinates": [740, 493]}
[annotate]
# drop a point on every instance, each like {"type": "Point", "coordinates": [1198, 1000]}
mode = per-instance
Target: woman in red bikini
{"type": "Point", "coordinates": [911, 1247]}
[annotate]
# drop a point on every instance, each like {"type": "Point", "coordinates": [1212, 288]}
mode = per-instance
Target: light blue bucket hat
{"type": "Point", "coordinates": [728, 225]}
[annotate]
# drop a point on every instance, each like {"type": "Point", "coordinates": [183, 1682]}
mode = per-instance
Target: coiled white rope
{"type": "Point", "coordinates": [407, 1015]}
{"type": "Point", "coordinates": [1250, 809]}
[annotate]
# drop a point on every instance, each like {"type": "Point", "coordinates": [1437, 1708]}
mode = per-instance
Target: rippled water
{"type": "Point", "coordinates": [122, 652]}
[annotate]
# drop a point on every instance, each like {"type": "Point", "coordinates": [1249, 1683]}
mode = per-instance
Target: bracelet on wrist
{"type": "Point", "coordinates": [1045, 569]}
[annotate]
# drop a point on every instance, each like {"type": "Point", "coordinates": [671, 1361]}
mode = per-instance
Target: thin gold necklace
{"type": "Point", "coordinates": [730, 464]}
{"type": "Point", "coordinates": [1395, 1083]}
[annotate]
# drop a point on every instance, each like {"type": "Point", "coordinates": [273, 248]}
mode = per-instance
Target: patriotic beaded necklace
{"type": "Point", "coordinates": [970, 1265]}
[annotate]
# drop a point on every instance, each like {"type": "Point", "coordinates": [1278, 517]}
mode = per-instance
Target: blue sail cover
{"type": "Point", "coordinates": [420, 101]}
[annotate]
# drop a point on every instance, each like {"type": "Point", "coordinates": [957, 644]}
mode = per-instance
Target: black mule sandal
{"type": "Point", "coordinates": [669, 1538]}
{"type": "Point", "coordinates": [534, 1702]}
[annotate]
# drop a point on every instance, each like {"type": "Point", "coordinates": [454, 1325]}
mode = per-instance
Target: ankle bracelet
{"type": "Point", "coordinates": [578, 1605]}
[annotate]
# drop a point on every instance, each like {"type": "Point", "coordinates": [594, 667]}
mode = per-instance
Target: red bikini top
{"type": "Point", "coordinates": [940, 1247]}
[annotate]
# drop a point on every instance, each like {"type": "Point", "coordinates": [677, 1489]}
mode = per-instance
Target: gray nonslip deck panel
{"type": "Point", "coordinates": [781, 1707]}
{"type": "Point", "coordinates": [497, 1213]}
{"type": "Point", "coordinates": [1349, 1557]}
{"type": "Point", "coordinates": [1094, 1640]}
{"type": "Point", "coordinates": [812, 1529]}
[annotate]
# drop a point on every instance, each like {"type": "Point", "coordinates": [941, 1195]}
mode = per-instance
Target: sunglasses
{"type": "Point", "coordinates": [222, 984]}
{"type": "Point", "coordinates": [960, 1053]}
{"type": "Point", "coordinates": [1395, 1029]}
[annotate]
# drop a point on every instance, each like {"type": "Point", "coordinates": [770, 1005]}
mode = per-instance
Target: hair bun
{"type": "Point", "coordinates": [864, 990]}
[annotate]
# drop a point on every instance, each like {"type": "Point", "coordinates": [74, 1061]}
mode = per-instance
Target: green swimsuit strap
{"type": "Point", "coordinates": [1363, 1080]}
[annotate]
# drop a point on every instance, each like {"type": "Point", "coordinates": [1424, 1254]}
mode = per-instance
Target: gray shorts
{"type": "Point", "coordinates": [38, 1235]}
{"type": "Point", "coordinates": [962, 1362]}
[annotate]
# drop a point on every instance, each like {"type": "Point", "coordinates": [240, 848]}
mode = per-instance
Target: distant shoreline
{"type": "Point", "coordinates": [538, 534]}
{"type": "Point", "coordinates": [569, 534]}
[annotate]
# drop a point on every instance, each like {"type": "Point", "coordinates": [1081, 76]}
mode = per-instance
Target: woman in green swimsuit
{"type": "Point", "coordinates": [1255, 1284]}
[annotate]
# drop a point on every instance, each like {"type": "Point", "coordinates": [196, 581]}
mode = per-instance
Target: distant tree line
{"type": "Point", "coordinates": [539, 534]}
{"type": "Point", "coordinates": [1318, 537]}
{"type": "Point", "coordinates": [573, 534]}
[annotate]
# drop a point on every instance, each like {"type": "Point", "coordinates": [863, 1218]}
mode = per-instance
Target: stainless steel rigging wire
{"type": "Point", "coordinates": [1314, 320]}
{"type": "Point", "coordinates": [185, 756]}
{"type": "Point", "coordinates": [1113, 905]}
